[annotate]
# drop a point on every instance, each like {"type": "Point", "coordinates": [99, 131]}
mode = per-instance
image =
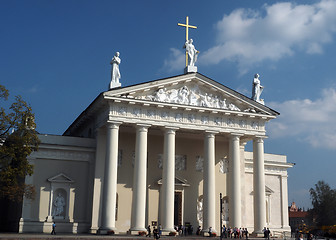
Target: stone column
{"type": "Point", "coordinates": [259, 185]}
{"type": "Point", "coordinates": [235, 184]}
{"type": "Point", "coordinates": [139, 181]}
{"type": "Point", "coordinates": [108, 212]}
{"type": "Point", "coordinates": [209, 191]}
{"type": "Point", "coordinates": [168, 181]}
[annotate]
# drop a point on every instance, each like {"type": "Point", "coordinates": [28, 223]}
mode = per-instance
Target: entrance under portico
{"type": "Point", "coordinates": [178, 219]}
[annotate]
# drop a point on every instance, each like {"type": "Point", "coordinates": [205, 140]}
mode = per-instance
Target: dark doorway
{"type": "Point", "coordinates": [178, 209]}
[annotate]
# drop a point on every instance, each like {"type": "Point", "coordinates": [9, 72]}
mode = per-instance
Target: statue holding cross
{"type": "Point", "coordinates": [191, 52]}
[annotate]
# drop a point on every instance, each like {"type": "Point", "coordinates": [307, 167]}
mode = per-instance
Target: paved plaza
{"type": "Point", "coordinates": [15, 236]}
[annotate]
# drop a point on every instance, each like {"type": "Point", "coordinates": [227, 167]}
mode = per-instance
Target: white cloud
{"type": "Point", "coordinates": [308, 120]}
{"type": "Point", "coordinates": [250, 36]}
{"type": "Point", "coordinates": [175, 60]}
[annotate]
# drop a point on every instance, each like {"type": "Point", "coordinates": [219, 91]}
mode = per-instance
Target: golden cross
{"type": "Point", "coordinates": [187, 26]}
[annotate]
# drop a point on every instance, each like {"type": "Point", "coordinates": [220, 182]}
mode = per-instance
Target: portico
{"type": "Point", "coordinates": [167, 192]}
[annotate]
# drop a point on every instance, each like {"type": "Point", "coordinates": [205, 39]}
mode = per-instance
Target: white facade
{"type": "Point", "coordinates": [160, 152]}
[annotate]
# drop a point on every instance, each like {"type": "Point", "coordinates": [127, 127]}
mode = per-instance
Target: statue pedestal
{"type": "Point", "coordinates": [190, 69]}
{"type": "Point", "coordinates": [49, 219]}
{"type": "Point", "coordinates": [115, 85]}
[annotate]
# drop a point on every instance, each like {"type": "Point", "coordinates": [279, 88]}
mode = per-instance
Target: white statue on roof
{"type": "Point", "coordinates": [192, 52]}
{"type": "Point", "coordinates": [257, 89]}
{"type": "Point", "coordinates": [115, 73]}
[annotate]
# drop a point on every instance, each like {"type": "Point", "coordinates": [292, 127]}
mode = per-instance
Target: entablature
{"type": "Point", "coordinates": [186, 117]}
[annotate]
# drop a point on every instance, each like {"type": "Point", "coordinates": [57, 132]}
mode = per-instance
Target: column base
{"type": "Point", "coordinates": [49, 219]}
{"type": "Point", "coordinates": [205, 233]}
{"type": "Point", "coordinates": [257, 234]}
{"type": "Point", "coordinates": [168, 232]}
{"type": "Point", "coordinates": [138, 231]}
{"type": "Point", "coordinates": [107, 231]}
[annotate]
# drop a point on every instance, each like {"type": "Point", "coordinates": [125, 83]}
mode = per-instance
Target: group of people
{"type": "Point", "coordinates": [300, 236]}
{"type": "Point", "coordinates": [181, 230]}
{"type": "Point", "coordinates": [235, 232]}
{"type": "Point", "coordinates": [157, 231]}
{"type": "Point", "coordinates": [267, 233]}
{"type": "Point", "coordinates": [184, 230]}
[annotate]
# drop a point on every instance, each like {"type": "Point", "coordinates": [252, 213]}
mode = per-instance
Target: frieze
{"type": "Point", "coordinates": [268, 169]}
{"type": "Point", "coordinates": [165, 115]}
{"type": "Point", "coordinates": [191, 118]}
{"type": "Point", "coordinates": [179, 117]}
{"type": "Point", "coordinates": [273, 170]}
{"type": "Point", "coordinates": [122, 111]}
{"type": "Point", "coordinates": [242, 124]}
{"type": "Point", "coordinates": [136, 112]}
{"type": "Point", "coordinates": [176, 116]}
{"type": "Point", "coordinates": [151, 113]}
{"type": "Point", "coordinates": [205, 119]}
{"type": "Point", "coordinates": [255, 125]}
{"type": "Point", "coordinates": [218, 121]}
{"type": "Point", "coordinates": [63, 155]}
{"type": "Point", "coordinates": [230, 122]}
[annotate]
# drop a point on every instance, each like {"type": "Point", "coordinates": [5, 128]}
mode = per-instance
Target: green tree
{"type": "Point", "coordinates": [18, 139]}
{"type": "Point", "coordinates": [324, 204]}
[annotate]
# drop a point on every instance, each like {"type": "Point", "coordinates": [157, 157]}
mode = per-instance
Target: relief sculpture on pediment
{"type": "Point", "coordinates": [190, 96]}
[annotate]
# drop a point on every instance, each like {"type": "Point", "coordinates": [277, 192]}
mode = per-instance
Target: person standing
{"type": "Point", "coordinates": [210, 231]}
{"type": "Point", "coordinates": [53, 232]}
{"type": "Point", "coordinates": [148, 231]}
{"type": "Point", "coordinates": [268, 233]}
{"type": "Point", "coordinates": [160, 230]}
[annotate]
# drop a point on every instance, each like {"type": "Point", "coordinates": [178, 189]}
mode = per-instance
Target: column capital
{"type": "Point", "coordinates": [113, 125]}
{"type": "Point", "coordinates": [262, 137]}
{"type": "Point", "coordinates": [170, 130]}
{"type": "Point", "coordinates": [142, 127]}
{"type": "Point", "coordinates": [235, 136]}
{"type": "Point", "coordinates": [210, 133]}
{"type": "Point", "coordinates": [242, 144]}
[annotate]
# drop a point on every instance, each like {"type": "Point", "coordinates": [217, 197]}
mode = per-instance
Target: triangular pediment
{"type": "Point", "coordinates": [268, 191]}
{"type": "Point", "coordinates": [178, 182]}
{"type": "Point", "coordinates": [61, 178]}
{"type": "Point", "coordinates": [193, 90]}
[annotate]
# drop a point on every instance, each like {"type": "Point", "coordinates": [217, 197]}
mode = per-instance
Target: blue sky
{"type": "Point", "coordinates": [56, 55]}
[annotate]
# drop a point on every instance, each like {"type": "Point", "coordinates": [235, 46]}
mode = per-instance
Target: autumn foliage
{"type": "Point", "coordinates": [18, 139]}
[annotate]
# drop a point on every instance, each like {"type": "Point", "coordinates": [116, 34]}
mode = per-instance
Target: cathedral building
{"type": "Point", "coordinates": [160, 153]}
